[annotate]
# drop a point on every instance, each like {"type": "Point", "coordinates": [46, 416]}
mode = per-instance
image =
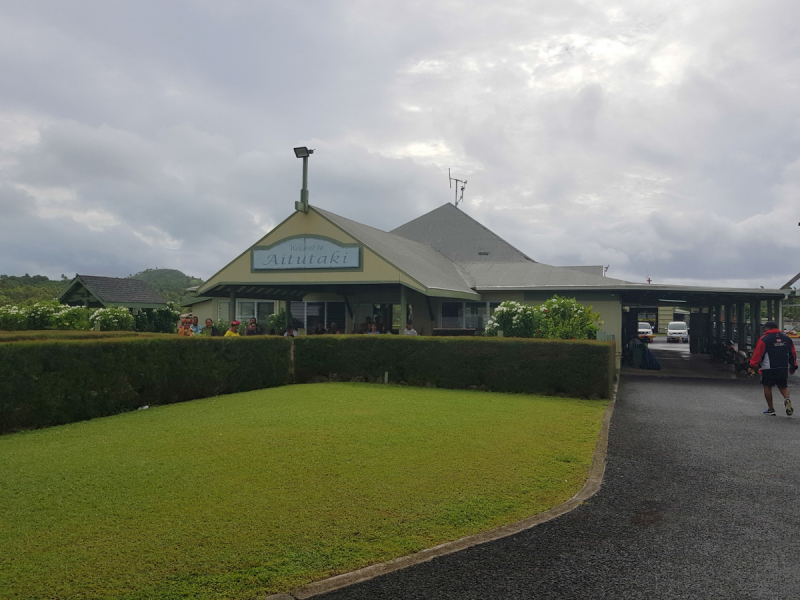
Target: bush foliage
{"type": "Point", "coordinates": [583, 369]}
{"type": "Point", "coordinates": [49, 314]}
{"type": "Point", "coordinates": [557, 318]}
{"type": "Point", "coordinates": [51, 382]}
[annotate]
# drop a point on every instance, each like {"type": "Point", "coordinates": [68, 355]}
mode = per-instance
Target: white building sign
{"type": "Point", "coordinates": [306, 253]}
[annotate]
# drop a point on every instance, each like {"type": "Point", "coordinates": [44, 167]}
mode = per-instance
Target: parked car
{"type": "Point", "coordinates": [677, 331]}
{"type": "Point", "coordinates": [645, 332]}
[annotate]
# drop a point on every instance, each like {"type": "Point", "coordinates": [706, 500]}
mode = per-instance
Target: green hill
{"type": "Point", "coordinates": [170, 283]}
{"type": "Point", "coordinates": [27, 289]}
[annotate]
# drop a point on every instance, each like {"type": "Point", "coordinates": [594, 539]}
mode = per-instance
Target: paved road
{"type": "Point", "coordinates": [700, 500]}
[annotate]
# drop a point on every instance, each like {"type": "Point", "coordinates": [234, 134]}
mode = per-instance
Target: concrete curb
{"type": "Point", "coordinates": [593, 482]}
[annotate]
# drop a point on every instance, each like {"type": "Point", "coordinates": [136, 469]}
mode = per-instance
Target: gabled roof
{"type": "Point", "coordinates": [460, 237]}
{"type": "Point", "coordinates": [113, 291]}
{"type": "Point", "coordinates": [419, 261]}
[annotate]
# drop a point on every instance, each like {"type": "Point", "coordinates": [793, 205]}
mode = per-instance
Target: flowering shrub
{"type": "Point", "coordinates": [557, 318]}
{"type": "Point", "coordinates": [48, 314]}
{"type": "Point", "coordinates": [115, 318]}
{"type": "Point", "coordinates": [12, 318]}
{"type": "Point", "coordinates": [515, 320]}
{"type": "Point", "coordinates": [41, 315]}
{"type": "Point", "coordinates": [71, 317]}
{"type": "Point", "coordinates": [157, 320]}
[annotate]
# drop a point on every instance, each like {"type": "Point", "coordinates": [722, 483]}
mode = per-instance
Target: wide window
{"type": "Point", "coordinates": [469, 315]}
{"type": "Point", "coordinates": [452, 315]}
{"type": "Point", "coordinates": [306, 315]}
{"type": "Point", "coordinates": [476, 315]}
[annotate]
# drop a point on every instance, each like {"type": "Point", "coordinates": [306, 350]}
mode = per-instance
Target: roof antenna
{"type": "Point", "coordinates": [464, 184]}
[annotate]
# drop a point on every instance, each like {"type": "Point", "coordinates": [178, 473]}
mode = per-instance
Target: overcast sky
{"type": "Point", "coordinates": [660, 138]}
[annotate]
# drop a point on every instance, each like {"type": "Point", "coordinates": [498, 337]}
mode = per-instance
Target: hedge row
{"type": "Point", "coordinates": [55, 382]}
{"type": "Point", "coordinates": [52, 382]}
{"type": "Point", "coordinates": [72, 334]}
{"type": "Point", "coordinates": [577, 368]}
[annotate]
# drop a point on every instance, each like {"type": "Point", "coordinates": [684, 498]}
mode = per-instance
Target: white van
{"type": "Point", "coordinates": [677, 331]}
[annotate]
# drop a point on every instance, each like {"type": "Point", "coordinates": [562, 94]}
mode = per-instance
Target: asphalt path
{"type": "Point", "coordinates": [699, 500]}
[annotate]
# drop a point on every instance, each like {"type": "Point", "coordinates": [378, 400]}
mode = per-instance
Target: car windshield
{"type": "Point", "coordinates": [677, 326]}
{"type": "Point", "coordinates": [644, 325]}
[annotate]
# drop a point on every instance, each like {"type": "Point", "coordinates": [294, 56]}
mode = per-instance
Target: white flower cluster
{"type": "Point", "coordinates": [113, 318]}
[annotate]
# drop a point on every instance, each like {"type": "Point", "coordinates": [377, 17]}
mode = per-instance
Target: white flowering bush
{"type": "Point", "coordinates": [71, 317]}
{"type": "Point", "coordinates": [12, 318]}
{"type": "Point", "coordinates": [514, 319]}
{"type": "Point", "coordinates": [557, 318]}
{"type": "Point", "coordinates": [41, 314]}
{"type": "Point", "coordinates": [114, 318]}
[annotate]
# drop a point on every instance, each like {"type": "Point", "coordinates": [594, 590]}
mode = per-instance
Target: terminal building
{"type": "Point", "coordinates": [444, 271]}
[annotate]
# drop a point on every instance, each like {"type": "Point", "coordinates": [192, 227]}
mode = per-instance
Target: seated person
{"type": "Point", "coordinates": [210, 330]}
{"type": "Point", "coordinates": [409, 330]}
{"type": "Point", "coordinates": [195, 327]}
{"type": "Point", "coordinates": [333, 329]}
{"type": "Point", "coordinates": [290, 331]}
{"type": "Point", "coordinates": [374, 330]}
{"type": "Point", "coordinates": [319, 329]}
{"type": "Point", "coordinates": [366, 326]}
{"type": "Point", "coordinates": [258, 330]}
{"type": "Point", "coordinates": [233, 331]}
{"type": "Point", "coordinates": [186, 330]}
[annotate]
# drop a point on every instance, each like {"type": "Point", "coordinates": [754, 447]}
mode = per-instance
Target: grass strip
{"type": "Point", "coordinates": [259, 492]}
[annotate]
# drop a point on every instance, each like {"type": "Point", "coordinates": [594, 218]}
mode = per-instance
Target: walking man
{"type": "Point", "coordinates": [777, 359]}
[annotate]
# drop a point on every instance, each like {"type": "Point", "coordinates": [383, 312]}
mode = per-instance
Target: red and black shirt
{"type": "Point", "coordinates": [774, 350]}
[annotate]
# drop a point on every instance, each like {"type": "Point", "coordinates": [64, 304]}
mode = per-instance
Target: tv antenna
{"type": "Point", "coordinates": [463, 185]}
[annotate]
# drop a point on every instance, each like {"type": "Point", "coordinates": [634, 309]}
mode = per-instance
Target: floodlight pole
{"type": "Point", "coordinates": [303, 153]}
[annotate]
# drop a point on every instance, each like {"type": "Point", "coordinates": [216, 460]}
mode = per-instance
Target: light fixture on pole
{"type": "Point", "coordinates": [303, 153]}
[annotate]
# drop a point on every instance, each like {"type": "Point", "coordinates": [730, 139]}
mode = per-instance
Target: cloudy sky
{"type": "Point", "coordinates": [660, 138]}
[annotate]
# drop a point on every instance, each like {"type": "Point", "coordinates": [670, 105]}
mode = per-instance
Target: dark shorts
{"type": "Point", "coordinates": [772, 377]}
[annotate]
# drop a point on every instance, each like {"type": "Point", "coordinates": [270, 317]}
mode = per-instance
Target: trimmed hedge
{"type": "Point", "coordinates": [72, 334]}
{"type": "Point", "coordinates": [55, 382]}
{"type": "Point", "coordinates": [577, 368]}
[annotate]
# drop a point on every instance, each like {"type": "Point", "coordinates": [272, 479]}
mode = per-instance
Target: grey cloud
{"type": "Point", "coordinates": [584, 131]}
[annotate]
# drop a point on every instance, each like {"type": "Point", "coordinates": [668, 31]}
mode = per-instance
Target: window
{"type": "Point", "coordinates": [335, 314]}
{"type": "Point", "coordinates": [298, 310]}
{"type": "Point", "coordinates": [476, 315]}
{"type": "Point", "coordinates": [315, 313]}
{"type": "Point", "coordinates": [452, 315]}
{"type": "Point", "coordinates": [224, 310]}
{"type": "Point", "coordinates": [245, 310]}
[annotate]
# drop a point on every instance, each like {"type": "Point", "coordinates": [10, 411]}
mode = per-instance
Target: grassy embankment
{"type": "Point", "coordinates": [253, 493]}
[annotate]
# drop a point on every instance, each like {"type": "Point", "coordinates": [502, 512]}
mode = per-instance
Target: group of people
{"type": "Point", "coordinates": [376, 327]}
{"type": "Point", "coordinates": [191, 327]}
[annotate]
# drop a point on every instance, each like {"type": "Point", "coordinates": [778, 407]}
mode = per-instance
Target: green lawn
{"type": "Point", "coordinates": [235, 496]}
